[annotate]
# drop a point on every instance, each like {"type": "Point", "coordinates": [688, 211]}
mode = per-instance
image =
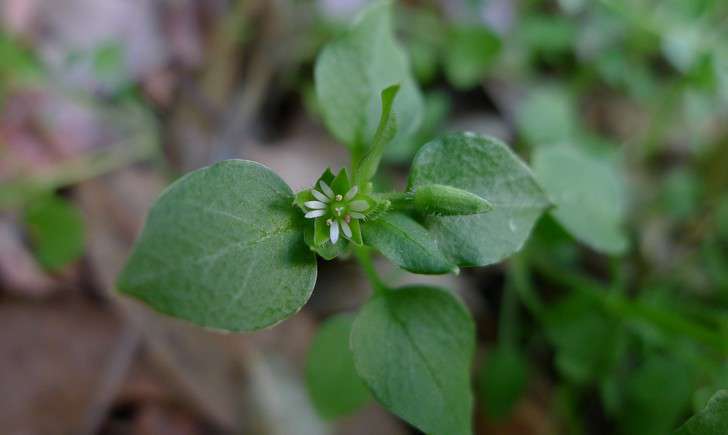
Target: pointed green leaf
{"type": "Point", "coordinates": [351, 72]}
{"type": "Point", "coordinates": [223, 248]}
{"type": "Point", "coordinates": [587, 193]}
{"type": "Point", "coordinates": [385, 132]}
{"type": "Point", "coordinates": [414, 347]}
{"type": "Point", "coordinates": [407, 243]}
{"type": "Point", "coordinates": [332, 382]}
{"type": "Point", "coordinates": [488, 168]}
{"type": "Point", "coordinates": [712, 420]}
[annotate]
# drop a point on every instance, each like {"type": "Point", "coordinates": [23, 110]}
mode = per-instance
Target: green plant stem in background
{"type": "Point", "coordinates": [522, 284]}
{"type": "Point", "coordinates": [634, 310]}
{"type": "Point", "coordinates": [619, 276]}
{"type": "Point", "coordinates": [364, 257]}
{"type": "Point", "coordinates": [508, 322]}
{"type": "Point", "coordinates": [141, 143]}
{"type": "Point", "coordinates": [658, 127]}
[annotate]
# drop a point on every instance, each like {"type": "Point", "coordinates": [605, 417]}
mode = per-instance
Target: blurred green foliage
{"type": "Point", "coordinates": [713, 420]}
{"type": "Point", "coordinates": [331, 380]}
{"type": "Point", "coordinates": [56, 231]}
{"type": "Point", "coordinates": [639, 87]}
{"type": "Point", "coordinates": [17, 66]}
{"type": "Point", "coordinates": [502, 380]}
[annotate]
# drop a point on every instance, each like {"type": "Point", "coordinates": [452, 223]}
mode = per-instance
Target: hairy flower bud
{"type": "Point", "coordinates": [438, 199]}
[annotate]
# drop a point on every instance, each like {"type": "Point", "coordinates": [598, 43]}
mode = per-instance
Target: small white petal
{"type": "Point", "coordinates": [315, 214]}
{"type": "Point", "coordinates": [351, 193]}
{"type": "Point", "coordinates": [356, 215]}
{"type": "Point", "coordinates": [320, 196]}
{"type": "Point", "coordinates": [315, 204]}
{"type": "Point", "coordinates": [359, 205]}
{"type": "Point", "coordinates": [326, 189]}
{"type": "Point", "coordinates": [334, 232]}
{"type": "Point", "coordinates": [346, 228]}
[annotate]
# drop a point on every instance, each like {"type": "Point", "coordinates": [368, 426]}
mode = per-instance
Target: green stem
{"type": "Point", "coordinates": [400, 200]}
{"type": "Point", "coordinates": [520, 276]}
{"type": "Point", "coordinates": [508, 322]}
{"type": "Point", "coordinates": [364, 257]}
{"type": "Point", "coordinates": [635, 310]}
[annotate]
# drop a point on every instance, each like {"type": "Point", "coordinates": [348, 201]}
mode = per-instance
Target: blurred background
{"type": "Point", "coordinates": [105, 102]}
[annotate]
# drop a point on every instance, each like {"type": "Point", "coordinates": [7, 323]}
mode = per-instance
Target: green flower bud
{"type": "Point", "coordinates": [437, 199]}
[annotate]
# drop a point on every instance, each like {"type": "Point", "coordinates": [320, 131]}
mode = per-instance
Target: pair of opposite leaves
{"type": "Point", "coordinates": [223, 246]}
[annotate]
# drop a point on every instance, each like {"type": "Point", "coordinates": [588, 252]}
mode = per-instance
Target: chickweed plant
{"type": "Point", "coordinates": [231, 247]}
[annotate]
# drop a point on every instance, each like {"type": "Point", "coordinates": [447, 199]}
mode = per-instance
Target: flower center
{"type": "Point", "coordinates": [338, 209]}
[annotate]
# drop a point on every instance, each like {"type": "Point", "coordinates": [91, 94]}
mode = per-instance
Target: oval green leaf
{"type": "Point", "coordinates": [352, 71]}
{"type": "Point", "coordinates": [413, 347]}
{"type": "Point", "coordinates": [587, 194]}
{"type": "Point", "coordinates": [223, 248]}
{"type": "Point", "coordinates": [488, 168]}
{"type": "Point", "coordinates": [334, 386]}
{"type": "Point", "coordinates": [406, 243]}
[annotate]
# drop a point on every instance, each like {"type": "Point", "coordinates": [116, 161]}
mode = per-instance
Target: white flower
{"type": "Point", "coordinates": [338, 209]}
